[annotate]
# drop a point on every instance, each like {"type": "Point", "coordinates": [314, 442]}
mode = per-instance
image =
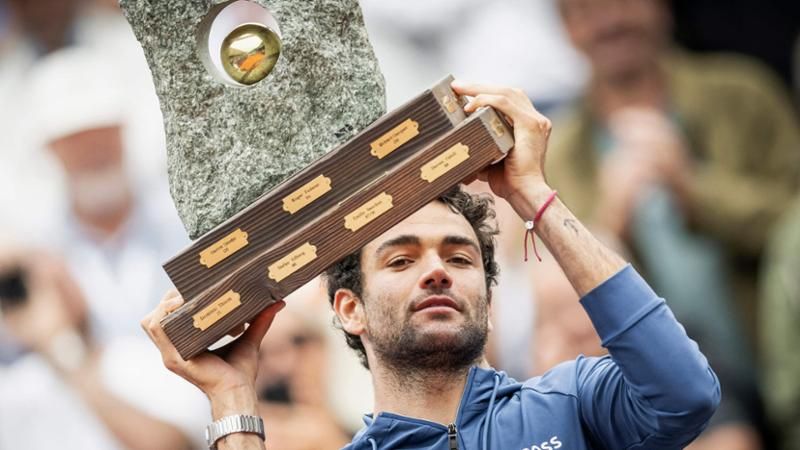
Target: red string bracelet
{"type": "Point", "coordinates": [532, 223]}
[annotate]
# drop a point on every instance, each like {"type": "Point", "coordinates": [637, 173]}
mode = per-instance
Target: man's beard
{"type": "Point", "coordinates": [406, 350]}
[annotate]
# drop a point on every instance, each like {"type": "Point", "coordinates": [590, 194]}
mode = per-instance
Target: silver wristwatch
{"type": "Point", "coordinates": [233, 424]}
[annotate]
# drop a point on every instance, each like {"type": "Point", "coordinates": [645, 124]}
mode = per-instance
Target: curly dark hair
{"type": "Point", "coordinates": [479, 212]}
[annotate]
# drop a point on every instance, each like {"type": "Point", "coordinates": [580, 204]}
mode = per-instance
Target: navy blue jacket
{"type": "Point", "coordinates": [654, 391]}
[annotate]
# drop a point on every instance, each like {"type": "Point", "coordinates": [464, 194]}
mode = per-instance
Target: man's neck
{"type": "Point", "coordinates": [428, 395]}
{"type": "Point", "coordinates": [645, 87]}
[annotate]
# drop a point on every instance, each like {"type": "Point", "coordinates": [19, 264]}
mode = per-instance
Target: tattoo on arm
{"type": "Point", "coordinates": [570, 223]}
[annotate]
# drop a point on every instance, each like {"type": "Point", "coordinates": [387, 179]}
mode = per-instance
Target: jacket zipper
{"type": "Point", "coordinates": [452, 436]}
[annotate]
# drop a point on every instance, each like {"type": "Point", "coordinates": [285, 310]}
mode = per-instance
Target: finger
{"type": "Point", "coordinates": [172, 293]}
{"type": "Point", "coordinates": [500, 102]}
{"type": "Point", "coordinates": [259, 326]}
{"type": "Point", "coordinates": [152, 326]}
{"type": "Point", "coordinates": [152, 322]}
{"type": "Point", "coordinates": [474, 89]}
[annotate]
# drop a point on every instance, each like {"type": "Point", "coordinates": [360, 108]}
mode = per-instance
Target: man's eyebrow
{"type": "Point", "coordinates": [461, 241]}
{"type": "Point", "coordinates": [399, 241]}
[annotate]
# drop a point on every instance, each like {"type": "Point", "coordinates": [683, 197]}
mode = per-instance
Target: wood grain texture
{"type": "Point", "coordinates": [349, 167]}
{"type": "Point", "coordinates": [327, 233]}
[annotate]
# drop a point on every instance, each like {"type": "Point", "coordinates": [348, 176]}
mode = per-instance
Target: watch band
{"type": "Point", "coordinates": [233, 424]}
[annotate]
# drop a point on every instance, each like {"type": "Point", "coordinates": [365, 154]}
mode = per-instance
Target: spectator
{"type": "Point", "coordinates": [46, 25]}
{"type": "Point", "coordinates": [29, 188]}
{"type": "Point", "coordinates": [73, 390]}
{"type": "Point", "coordinates": [764, 30]}
{"type": "Point", "coordinates": [418, 42]}
{"type": "Point", "coordinates": [113, 237]}
{"type": "Point", "coordinates": [293, 379]}
{"type": "Point", "coordinates": [563, 331]}
{"type": "Point", "coordinates": [780, 332]}
{"type": "Point", "coordinates": [683, 150]}
{"type": "Point", "coordinates": [3, 21]}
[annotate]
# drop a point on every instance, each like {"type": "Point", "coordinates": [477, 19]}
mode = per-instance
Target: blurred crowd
{"type": "Point", "coordinates": [676, 139]}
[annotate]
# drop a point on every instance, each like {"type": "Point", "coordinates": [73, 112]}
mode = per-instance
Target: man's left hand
{"type": "Point", "coordinates": [523, 169]}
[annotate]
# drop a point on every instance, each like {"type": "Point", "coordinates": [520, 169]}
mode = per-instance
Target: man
{"type": "Point", "coordinates": [679, 156]}
{"type": "Point", "coordinates": [113, 234]}
{"type": "Point", "coordinates": [416, 302]}
{"type": "Point", "coordinates": [72, 390]}
{"type": "Point", "coordinates": [295, 377]}
{"type": "Point", "coordinates": [780, 315]}
{"type": "Point", "coordinates": [96, 386]}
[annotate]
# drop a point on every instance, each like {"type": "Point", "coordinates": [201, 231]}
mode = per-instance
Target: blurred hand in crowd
{"type": "Point", "coordinates": [52, 319]}
{"type": "Point", "coordinates": [647, 150]}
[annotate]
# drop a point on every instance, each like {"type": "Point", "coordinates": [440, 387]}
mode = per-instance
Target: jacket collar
{"type": "Point", "coordinates": [391, 430]}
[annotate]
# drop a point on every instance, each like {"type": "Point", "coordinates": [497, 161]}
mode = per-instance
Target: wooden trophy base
{"type": "Point", "coordinates": [296, 251]}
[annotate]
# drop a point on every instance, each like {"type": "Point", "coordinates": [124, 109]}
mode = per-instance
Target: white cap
{"type": "Point", "coordinates": [72, 90]}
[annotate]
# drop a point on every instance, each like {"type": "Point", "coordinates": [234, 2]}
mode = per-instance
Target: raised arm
{"type": "Point", "coordinates": [657, 389]}
{"type": "Point", "coordinates": [520, 179]}
{"type": "Point", "coordinates": [229, 382]}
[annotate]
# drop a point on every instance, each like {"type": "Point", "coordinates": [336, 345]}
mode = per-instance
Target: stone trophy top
{"type": "Point", "coordinates": [253, 91]}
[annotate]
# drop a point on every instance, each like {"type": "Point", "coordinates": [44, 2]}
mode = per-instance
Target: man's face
{"type": "Point", "coordinates": [90, 151]}
{"type": "Point", "coordinates": [93, 162]}
{"type": "Point", "coordinates": [618, 36]}
{"type": "Point", "coordinates": [424, 292]}
{"type": "Point", "coordinates": [48, 21]}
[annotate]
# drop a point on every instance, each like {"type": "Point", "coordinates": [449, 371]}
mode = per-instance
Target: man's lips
{"type": "Point", "coordinates": [436, 301]}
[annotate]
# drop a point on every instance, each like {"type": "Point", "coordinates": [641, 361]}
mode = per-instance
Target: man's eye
{"type": "Point", "coordinates": [461, 260]}
{"type": "Point", "coordinates": [399, 262]}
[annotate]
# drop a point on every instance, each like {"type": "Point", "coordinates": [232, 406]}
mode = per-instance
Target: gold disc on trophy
{"type": "Point", "coordinates": [250, 52]}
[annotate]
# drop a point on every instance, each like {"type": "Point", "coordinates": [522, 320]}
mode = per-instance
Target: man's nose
{"type": "Point", "coordinates": [436, 277]}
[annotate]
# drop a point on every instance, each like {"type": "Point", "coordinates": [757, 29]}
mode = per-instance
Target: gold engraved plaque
{"type": "Point", "coordinates": [368, 212]}
{"type": "Point", "coordinates": [212, 313]}
{"type": "Point", "coordinates": [306, 194]}
{"type": "Point", "coordinates": [450, 103]}
{"type": "Point", "coordinates": [223, 248]}
{"type": "Point", "coordinates": [293, 262]}
{"type": "Point", "coordinates": [498, 127]}
{"type": "Point", "coordinates": [395, 138]}
{"type": "Point", "coordinates": [443, 163]}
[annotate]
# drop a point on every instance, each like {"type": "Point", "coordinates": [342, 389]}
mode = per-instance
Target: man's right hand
{"type": "Point", "coordinates": [229, 381]}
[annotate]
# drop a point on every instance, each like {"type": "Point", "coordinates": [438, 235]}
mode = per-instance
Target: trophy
{"type": "Point", "coordinates": [281, 159]}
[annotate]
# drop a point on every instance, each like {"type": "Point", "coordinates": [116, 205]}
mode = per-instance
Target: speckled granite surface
{"type": "Point", "coordinates": [226, 144]}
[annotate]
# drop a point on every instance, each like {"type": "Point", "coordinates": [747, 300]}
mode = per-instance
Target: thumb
{"type": "Point", "coordinates": [259, 326]}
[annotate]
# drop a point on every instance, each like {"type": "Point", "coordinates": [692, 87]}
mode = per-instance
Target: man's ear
{"type": "Point", "coordinates": [350, 311]}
